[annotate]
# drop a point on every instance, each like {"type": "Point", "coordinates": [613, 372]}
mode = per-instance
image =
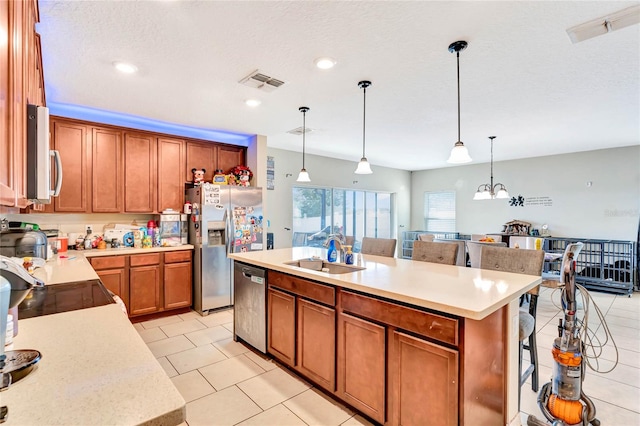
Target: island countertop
{"type": "Point", "coordinates": [95, 370]}
{"type": "Point", "coordinates": [461, 291]}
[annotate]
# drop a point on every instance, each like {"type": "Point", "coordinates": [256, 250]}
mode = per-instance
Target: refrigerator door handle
{"type": "Point", "coordinates": [230, 236]}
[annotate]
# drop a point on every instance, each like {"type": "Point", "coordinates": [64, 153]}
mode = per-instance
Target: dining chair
{"type": "Point", "coordinates": [426, 237]}
{"type": "Point", "coordinates": [461, 259]}
{"type": "Point", "coordinates": [520, 261]}
{"type": "Point", "coordinates": [429, 251]}
{"type": "Point", "coordinates": [475, 248]}
{"type": "Point", "coordinates": [378, 246]}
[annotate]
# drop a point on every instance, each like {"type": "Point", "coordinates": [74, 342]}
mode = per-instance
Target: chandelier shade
{"type": "Point", "coordinates": [490, 191]}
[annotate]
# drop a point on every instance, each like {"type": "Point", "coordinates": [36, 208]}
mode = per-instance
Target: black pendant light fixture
{"type": "Point", "coordinates": [459, 153]}
{"type": "Point", "coordinates": [364, 168]}
{"type": "Point", "coordinates": [489, 191]}
{"type": "Point", "coordinates": [303, 176]}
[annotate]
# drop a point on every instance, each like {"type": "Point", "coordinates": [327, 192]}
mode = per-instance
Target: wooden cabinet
{"type": "Point", "coordinates": [70, 139]}
{"type": "Point", "coordinates": [209, 156]}
{"type": "Point", "coordinates": [316, 343]}
{"type": "Point", "coordinates": [140, 173]}
{"type": "Point", "coordinates": [281, 326]}
{"type": "Point", "coordinates": [177, 279]}
{"type": "Point", "coordinates": [114, 274]}
{"type": "Point", "coordinates": [171, 172]}
{"type": "Point", "coordinates": [423, 382]}
{"type": "Point", "coordinates": [361, 365]}
{"type": "Point", "coordinates": [106, 170]}
{"type": "Point", "coordinates": [228, 157]}
{"type": "Point", "coordinates": [144, 284]}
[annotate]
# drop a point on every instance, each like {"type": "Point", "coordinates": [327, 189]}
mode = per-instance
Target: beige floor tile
{"type": "Point", "coordinates": [195, 358]}
{"type": "Point", "coordinates": [209, 335]}
{"type": "Point", "coordinates": [620, 394]}
{"type": "Point", "coordinates": [612, 414]}
{"type": "Point", "coordinates": [264, 362]}
{"type": "Point", "coordinates": [170, 346]}
{"type": "Point", "coordinates": [161, 321]}
{"type": "Point", "coordinates": [228, 326]}
{"type": "Point", "coordinates": [230, 348]}
{"type": "Point", "coordinates": [168, 368]}
{"type": "Point", "coordinates": [138, 327]}
{"type": "Point", "coordinates": [316, 409]}
{"type": "Point", "coordinates": [216, 318]}
{"type": "Point", "coordinates": [278, 415]}
{"type": "Point", "coordinates": [623, 321]}
{"type": "Point", "coordinates": [357, 420]}
{"type": "Point", "coordinates": [621, 373]}
{"type": "Point", "coordinates": [152, 334]}
{"type": "Point", "coordinates": [227, 407]}
{"type": "Point", "coordinates": [182, 327]}
{"type": "Point", "coordinates": [272, 387]}
{"type": "Point", "coordinates": [192, 385]}
{"type": "Point", "coordinates": [190, 315]}
{"type": "Point", "coordinates": [231, 371]}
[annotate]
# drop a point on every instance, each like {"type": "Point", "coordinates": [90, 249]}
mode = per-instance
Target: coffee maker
{"type": "Point", "coordinates": [15, 285]}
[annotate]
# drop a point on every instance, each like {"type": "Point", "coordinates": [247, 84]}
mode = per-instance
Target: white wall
{"type": "Point", "coordinates": [329, 172]}
{"type": "Point", "coordinates": [607, 209]}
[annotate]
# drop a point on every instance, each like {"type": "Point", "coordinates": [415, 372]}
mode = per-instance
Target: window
{"type": "Point", "coordinates": [440, 211]}
{"type": "Point", "coordinates": [318, 212]}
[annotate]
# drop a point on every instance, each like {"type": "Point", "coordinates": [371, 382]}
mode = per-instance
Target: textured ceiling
{"type": "Point", "coordinates": [521, 77]}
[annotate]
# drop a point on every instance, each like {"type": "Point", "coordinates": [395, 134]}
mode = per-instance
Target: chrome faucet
{"type": "Point", "coordinates": [340, 242]}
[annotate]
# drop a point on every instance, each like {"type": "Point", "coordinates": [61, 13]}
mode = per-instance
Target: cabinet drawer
{"type": "Point", "coordinates": [424, 323]}
{"type": "Point", "coordinates": [144, 259]}
{"type": "Point", "coordinates": [108, 262]}
{"type": "Point", "coordinates": [312, 290]}
{"type": "Point", "coordinates": [177, 256]}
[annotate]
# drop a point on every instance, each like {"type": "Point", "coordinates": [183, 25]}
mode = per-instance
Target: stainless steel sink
{"type": "Point", "coordinates": [324, 266]}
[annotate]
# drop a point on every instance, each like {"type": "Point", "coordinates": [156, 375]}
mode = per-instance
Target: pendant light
{"type": "Point", "coordinates": [487, 191]}
{"type": "Point", "coordinates": [303, 176]}
{"type": "Point", "coordinates": [364, 168]}
{"type": "Point", "coordinates": [459, 153]}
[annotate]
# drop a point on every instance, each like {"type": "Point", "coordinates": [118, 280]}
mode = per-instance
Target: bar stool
{"type": "Point", "coordinates": [427, 251]}
{"type": "Point", "coordinates": [520, 261]}
{"type": "Point", "coordinates": [378, 246]}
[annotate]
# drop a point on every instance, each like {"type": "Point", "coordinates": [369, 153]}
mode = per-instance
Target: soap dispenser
{"type": "Point", "coordinates": [348, 257]}
{"type": "Point", "coordinates": [332, 254]}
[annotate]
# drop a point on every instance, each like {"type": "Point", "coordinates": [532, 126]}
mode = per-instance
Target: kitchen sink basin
{"type": "Point", "coordinates": [324, 266]}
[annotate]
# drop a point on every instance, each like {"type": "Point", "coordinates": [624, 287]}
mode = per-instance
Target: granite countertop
{"type": "Point", "coordinates": [95, 370]}
{"type": "Point", "coordinates": [466, 292]}
{"type": "Point", "coordinates": [73, 265]}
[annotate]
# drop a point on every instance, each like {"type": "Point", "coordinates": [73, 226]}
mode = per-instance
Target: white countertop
{"type": "Point", "coordinates": [73, 265]}
{"type": "Point", "coordinates": [95, 370]}
{"type": "Point", "coordinates": [466, 292]}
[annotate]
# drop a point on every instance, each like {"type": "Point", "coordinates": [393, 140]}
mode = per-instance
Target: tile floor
{"type": "Point", "coordinates": [224, 383]}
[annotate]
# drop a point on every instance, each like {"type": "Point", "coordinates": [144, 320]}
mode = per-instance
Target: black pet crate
{"type": "Point", "coordinates": [602, 265]}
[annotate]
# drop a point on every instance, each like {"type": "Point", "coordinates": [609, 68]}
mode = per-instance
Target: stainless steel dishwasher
{"type": "Point", "coordinates": [250, 306]}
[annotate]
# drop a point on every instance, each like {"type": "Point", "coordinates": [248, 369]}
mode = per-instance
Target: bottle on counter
{"type": "Point", "coordinates": [332, 253]}
{"type": "Point", "coordinates": [348, 257]}
{"type": "Point", "coordinates": [87, 240]}
{"type": "Point", "coordinates": [151, 232]}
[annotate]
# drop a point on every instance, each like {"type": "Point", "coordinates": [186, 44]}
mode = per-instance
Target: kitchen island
{"type": "Point", "coordinates": [403, 342]}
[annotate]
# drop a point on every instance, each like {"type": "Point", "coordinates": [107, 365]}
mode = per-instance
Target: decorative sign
{"type": "Point", "coordinates": [539, 201]}
{"type": "Point", "coordinates": [271, 173]}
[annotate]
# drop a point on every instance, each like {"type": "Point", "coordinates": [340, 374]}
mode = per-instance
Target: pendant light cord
{"type": "Point", "coordinates": [491, 137]}
{"type": "Point", "coordinates": [458, 62]}
{"type": "Point", "coordinates": [364, 118]}
{"type": "Point", "coordinates": [304, 133]}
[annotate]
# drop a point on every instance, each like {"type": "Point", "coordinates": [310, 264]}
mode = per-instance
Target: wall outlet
{"type": "Point", "coordinates": [87, 229]}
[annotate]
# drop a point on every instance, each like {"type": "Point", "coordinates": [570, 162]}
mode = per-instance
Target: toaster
{"type": "Point", "coordinates": [23, 243]}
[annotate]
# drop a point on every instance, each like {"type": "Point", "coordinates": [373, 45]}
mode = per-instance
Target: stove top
{"type": "Point", "coordinates": [53, 299]}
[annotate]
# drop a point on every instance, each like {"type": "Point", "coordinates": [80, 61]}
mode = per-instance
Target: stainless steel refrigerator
{"type": "Point", "coordinates": [224, 219]}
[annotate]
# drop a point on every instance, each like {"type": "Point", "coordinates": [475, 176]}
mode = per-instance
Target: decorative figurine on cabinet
{"type": "Point", "coordinates": [219, 178]}
{"type": "Point", "coordinates": [198, 176]}
{"type": "Point", "coordinates": [242, 175]}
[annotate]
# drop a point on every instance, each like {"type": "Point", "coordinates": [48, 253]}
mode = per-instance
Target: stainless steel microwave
{"type": "Point", "coordinates": [39, 157]}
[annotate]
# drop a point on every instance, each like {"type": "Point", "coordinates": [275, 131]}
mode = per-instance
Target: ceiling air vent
{"type": "Point", "coordinates": [298, 131]}
{"type": "Point", "coordinates": [262, 81]}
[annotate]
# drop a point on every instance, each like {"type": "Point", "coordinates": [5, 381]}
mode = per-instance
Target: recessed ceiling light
{"type": "Point", "coordinates": [125, 67]}
{"type": "Point", "coordinates": [252, 102]}
{"type": "Point", "coordinates": [325, 63]}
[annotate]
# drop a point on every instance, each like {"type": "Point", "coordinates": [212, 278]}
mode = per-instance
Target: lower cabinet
{"type": "Point", "coordinates": [361, 365]}
{"type": "Point", "coordinates": [148, 283]}
{"type": "Point", "coordinates": [281, 323]}
{"type": "Point", "coordinates": [316, 343]}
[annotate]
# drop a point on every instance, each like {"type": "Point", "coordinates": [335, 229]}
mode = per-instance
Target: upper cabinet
{"type": "Point", "coordinates": [21, 83]}
{"type": "Point", "coordinates": [211, 157]}
{"type": "Point", "coordinates": [106, 171]}
{"type": "Point", "coordinates": [171, 169]}
{"type": "Point", "coordinates": [70, 139]}
{"type": "Point", "coordinates": [140, 173]}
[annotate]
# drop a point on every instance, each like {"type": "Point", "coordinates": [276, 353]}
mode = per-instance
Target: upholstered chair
{"type": "Point", "coordinates": [378, 246]}
{"type": "Point", "coordinates": [428, 251]}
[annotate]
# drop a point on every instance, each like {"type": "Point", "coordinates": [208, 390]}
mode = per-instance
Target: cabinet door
{"type": "Point", "coordinates": [106, 171]}
{"type": "Point", "coordinates": [7, 194]}
{"type": "Point", "coordinates": [200, 155]}
{"type": "Point", "coordinates": [317, 343]}
{"type": "Point", "coordinates": [423, 382]}
{"type": "Point", "coordinates": [144, 289]}
{"type": "Point", "coordinates": [171, 171]}
{"type": "Point", "coordinates": [70, 139]}
{"type": "Point", "coordinates": [281, 326]}
{"type": "Point", "coordinates": [228, 157]}
{"type": "Point", "coordinates": [115, 280]}
{"type": "Point", "coordinates": [177, 285]}
{"type": "Point", "coordinates": [140, 171]}
{"type": "Point", "coordinates": [361, 365]}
